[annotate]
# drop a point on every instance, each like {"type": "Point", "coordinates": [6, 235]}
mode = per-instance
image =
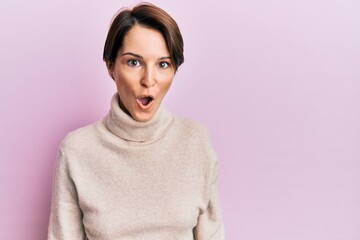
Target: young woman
{"type": "Point", "coordinates": [141, 172]}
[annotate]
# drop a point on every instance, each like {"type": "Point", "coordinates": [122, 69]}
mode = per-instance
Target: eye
{"type": "Point", "coordinates": [164, 64]}
{"type": "Point", "coordinates": [133, 63]}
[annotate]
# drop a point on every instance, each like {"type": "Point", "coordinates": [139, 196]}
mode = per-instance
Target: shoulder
{"type": "Point", "coordinates": [192, 132]}
{"type": "Point", "coordinates": [191, 127]}
{"type": "Point", "coordinates": [80, 138]}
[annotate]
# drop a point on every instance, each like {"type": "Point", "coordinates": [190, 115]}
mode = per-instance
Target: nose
{"type": "Point", "coordinates": [148, 78]}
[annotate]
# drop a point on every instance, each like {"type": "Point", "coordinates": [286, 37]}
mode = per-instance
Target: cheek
{"type": "Point", "coordinates": [125, 80]}
{"type": "Point", "coordinates": [166, 85]}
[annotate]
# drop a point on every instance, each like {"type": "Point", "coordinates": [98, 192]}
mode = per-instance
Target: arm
{"type": "Point", "coordinates": [210, 225]}
{"type": "Point", "coordinates": [66, 215]}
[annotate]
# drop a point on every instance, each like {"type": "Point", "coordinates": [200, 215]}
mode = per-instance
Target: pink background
{"type": "Point", "coordinates": [276, 82]}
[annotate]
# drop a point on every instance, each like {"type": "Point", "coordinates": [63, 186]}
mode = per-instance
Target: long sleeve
{"type": "Point", "coordinates": [66, 215]}
{"type": "Point", "coordinates": [210, 225]}
{"type": "Point", "coordinates": [123, 179]}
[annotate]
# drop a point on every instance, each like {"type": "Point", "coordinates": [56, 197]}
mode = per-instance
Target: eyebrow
{"type": "Point", "coordinates": [141, 57]}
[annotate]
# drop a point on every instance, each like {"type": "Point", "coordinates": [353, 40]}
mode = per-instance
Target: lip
{"type": "Point", "coordinates": [147, 107]}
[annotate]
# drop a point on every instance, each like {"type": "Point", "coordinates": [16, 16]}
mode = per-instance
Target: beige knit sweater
{"type": "Point", "coordinates": [123, 179]}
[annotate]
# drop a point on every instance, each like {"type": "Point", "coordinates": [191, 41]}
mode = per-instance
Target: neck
{"type": "Point", "coordinates": [122, 106]}
{"type": "Point", "coordinates": [120, 122]}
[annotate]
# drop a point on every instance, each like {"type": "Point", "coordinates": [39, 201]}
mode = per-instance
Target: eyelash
{"type": "Point", "coordinates": [163, 62]}
{"type": "Point", "coordinates": [130, 62]}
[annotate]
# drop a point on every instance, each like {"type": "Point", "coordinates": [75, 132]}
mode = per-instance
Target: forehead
{"type": "Point", "coordinates": [145, 42]}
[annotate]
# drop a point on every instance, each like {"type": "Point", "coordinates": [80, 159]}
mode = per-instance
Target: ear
{"type": "Point", "coordinates": [110, 68]}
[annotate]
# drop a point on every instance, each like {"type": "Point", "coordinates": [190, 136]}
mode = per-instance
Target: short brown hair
{"type": "Point", "coordinates": [147, 15]}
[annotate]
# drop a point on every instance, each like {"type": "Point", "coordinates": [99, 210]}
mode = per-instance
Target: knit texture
{"type": "Point", "coordinates": [123, 179]}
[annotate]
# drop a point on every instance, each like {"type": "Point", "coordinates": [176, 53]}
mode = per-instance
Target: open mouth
{"type": "Point", "coordinates": [145, 102]}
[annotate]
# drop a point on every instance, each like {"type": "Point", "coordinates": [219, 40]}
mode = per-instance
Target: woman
{"type": "Point", "coordinates": [141, 172]}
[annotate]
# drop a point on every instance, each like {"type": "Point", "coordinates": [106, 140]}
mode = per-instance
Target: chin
{"type": "Point", "coordinates": [142, 117]}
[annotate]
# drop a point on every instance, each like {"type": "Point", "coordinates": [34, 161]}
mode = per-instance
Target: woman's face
{"type": "Point", "coordinates": [143, 72]}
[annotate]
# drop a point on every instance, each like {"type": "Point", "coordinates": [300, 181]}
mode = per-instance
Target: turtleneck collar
{"type": "Point", "coordinates": [124, 126]}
